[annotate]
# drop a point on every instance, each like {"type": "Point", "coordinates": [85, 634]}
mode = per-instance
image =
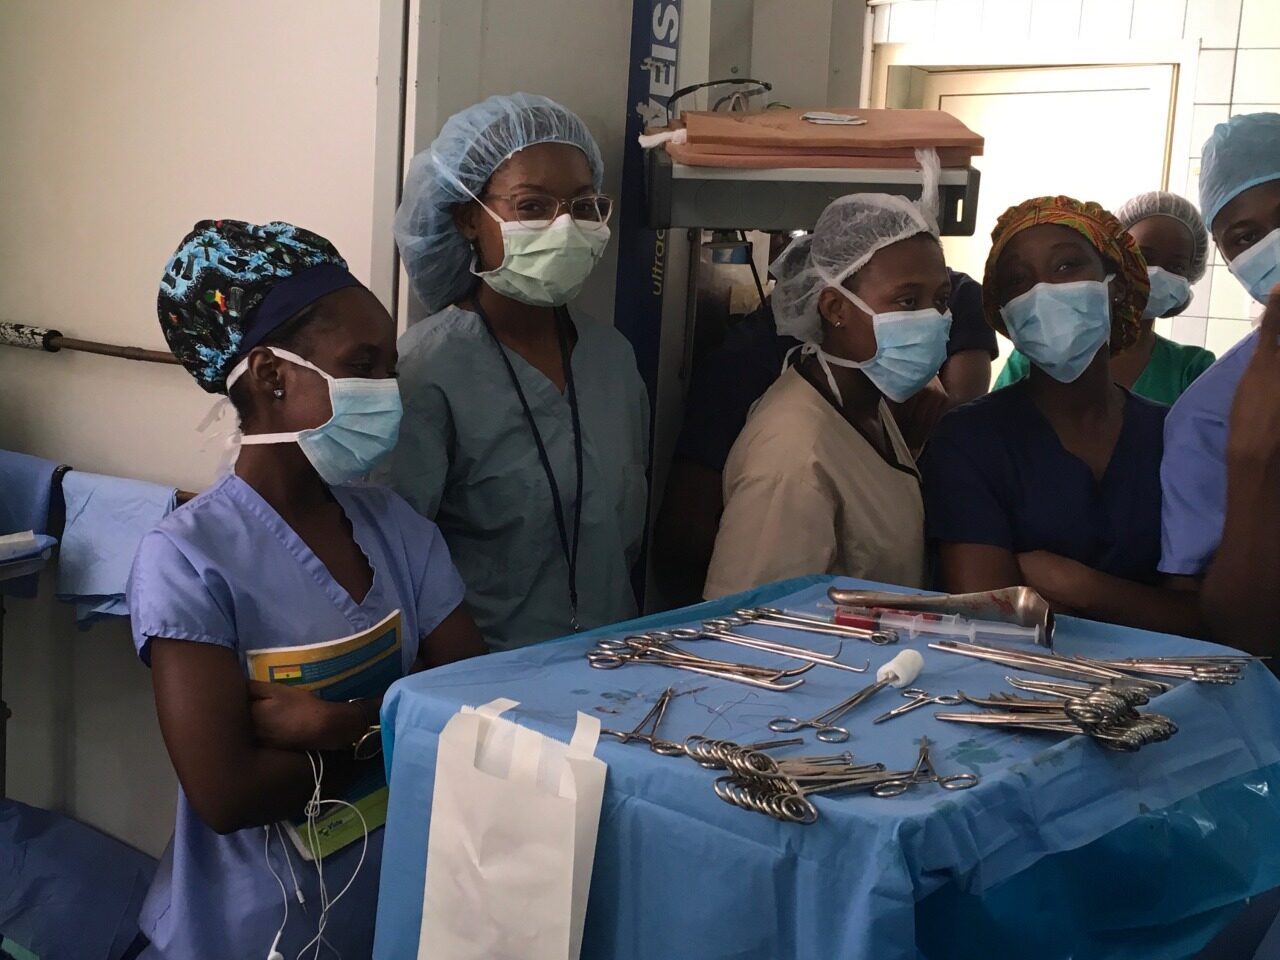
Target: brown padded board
{"type": "Point", "coordinates": [884, 129]}
{"type": "Point", "coordinates": [728, 156]}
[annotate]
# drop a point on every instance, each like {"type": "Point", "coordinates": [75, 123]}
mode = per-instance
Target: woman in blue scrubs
{"type": "Point", "coordinates": [1054, 481]}
{"type": "Point", "coordinates": [280, 553]}
{"type": "Point", "coordinates": [1221, 462]}
{"type": "Point", "coordinates": [526, 430]}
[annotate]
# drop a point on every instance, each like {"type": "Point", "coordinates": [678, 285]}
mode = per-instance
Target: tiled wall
{"type": "Point", "coordinates": [1238, 72]}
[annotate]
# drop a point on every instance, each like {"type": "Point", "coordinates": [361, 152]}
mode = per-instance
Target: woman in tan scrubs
{"type": "Point", "coordinates": [820, 480]}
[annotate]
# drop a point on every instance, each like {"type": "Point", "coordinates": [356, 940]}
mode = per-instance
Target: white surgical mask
{"type": "Point", "coordinates": [361, 431]}
{"type": "Point", "coordinates": [1168, 292]}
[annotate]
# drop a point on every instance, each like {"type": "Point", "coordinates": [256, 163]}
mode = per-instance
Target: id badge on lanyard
{"type": "Point", "coordinates": [569, 546]}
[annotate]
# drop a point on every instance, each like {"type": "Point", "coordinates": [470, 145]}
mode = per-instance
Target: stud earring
{"type": "Point", "coordinates": [278, 393]}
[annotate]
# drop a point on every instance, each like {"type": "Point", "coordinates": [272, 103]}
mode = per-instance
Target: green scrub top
{"type": "Point", "coordinates": [1171, 369]}
{"type": "Point", "coordinates": [467, 460]}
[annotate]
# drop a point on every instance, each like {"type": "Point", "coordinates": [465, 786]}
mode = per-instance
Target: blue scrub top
{"type": "Point", "coordinates": [467, 459]}
{"type": "Point", "coordinates": [1194, 471]}
{"type": "Point", "coordinates": [995, 473]}
{"type": "Point", "coordinates": [226, 569]}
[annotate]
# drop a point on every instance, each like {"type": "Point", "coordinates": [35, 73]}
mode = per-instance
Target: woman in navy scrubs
{"type": "Point", "coordinates": [1054, 481]}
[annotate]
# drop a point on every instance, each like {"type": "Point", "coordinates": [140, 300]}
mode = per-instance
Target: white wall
{"type": "Point", "coordinates": [1237, 71]}
{"type": "Point", "coordinates": [123, 123]}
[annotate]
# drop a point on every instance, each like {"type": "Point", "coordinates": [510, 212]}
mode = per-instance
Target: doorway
{"type": "Point", "coordinates": [1099, 132]}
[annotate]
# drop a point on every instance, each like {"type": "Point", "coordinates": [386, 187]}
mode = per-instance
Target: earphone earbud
{"type": "Point", "coordinates": [274, 953]}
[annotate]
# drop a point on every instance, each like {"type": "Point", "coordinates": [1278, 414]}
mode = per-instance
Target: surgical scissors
{"type": "Point", "coordinates": [919, 698]}
{"type": "Point", "coordinates": [925, 772]}
{"type": "Point", "coordinates": [898, 672]}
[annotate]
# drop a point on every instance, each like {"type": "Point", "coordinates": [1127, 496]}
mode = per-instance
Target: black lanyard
{"type": "Point", "coordinates": [570, 549]}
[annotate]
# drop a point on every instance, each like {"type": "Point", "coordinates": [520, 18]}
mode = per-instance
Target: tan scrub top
{"type": "Point", "coordinates": [806, 493]}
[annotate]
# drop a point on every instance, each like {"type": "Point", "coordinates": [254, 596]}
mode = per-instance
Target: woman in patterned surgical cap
{"type": "Point", "coordinates": [281, 553]}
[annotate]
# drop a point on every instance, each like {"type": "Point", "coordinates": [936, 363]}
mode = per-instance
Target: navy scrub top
{"type": "Point", "coordinates": [995, 473]}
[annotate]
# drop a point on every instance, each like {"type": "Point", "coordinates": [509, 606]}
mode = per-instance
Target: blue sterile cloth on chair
{"type": "Point", "coordinates": [1079, 851]}
{"type": "Point", "coordinates": [67, 890]}
{"type": "Point", "coordinates": [26, 487]}
{"type": "Point", "coordinates": [107, 518]}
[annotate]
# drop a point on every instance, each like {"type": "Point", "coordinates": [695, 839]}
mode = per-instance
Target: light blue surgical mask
{"type": "Point", "coordinates": [361, 431]}
{"type": "Point", "coordinates": [911, 346]}
{"type": "Point", "coordinates": [1060, 327]}
{"type": "Point", "coordinates": [1258, 268]}
{"type": "Point", "coordinates": [1168, 292]}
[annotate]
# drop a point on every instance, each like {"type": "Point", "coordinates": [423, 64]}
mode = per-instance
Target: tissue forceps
{"type": "Point", "coordinates": [925, 772]}
{"type": "Point", "coordinates": [919, 698]}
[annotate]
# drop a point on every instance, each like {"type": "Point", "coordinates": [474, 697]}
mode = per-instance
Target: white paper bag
{"type": "Point", "coordinates": [514, 816]}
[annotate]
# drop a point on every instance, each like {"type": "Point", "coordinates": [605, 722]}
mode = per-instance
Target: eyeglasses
{"type": "Point", "coordinates": [732, 94]}
{"type": "Point", "coordinates": [540, 210]}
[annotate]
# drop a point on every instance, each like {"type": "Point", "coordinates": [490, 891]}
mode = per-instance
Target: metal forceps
{"type": "Point", "coordinates": [646, 731]}
{"type": "Point", "coordinates": [722, 630]}
{"type": "Point", "coordinates": [924, 772]}
{"type": "Point", "coordinates": [655, 649]}
{"type": "Point", "coordinates": [898, 672]}
{"type": "Point", "coordinates": [919, 698]}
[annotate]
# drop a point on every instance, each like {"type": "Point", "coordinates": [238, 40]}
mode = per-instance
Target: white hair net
{"type": "Point", "coordinates": [1160, 203]}
{"type": "Point", "coordinates": [470, 147]}
{"type": "Point", "coordinates": [846, 236]}
{"type": "Point", "coordinates": [1239, 154]}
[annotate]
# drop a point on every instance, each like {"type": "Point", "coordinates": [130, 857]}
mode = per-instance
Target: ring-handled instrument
{"type": "Point", "coordinates": [646, 731]}
{"type": "Point", "coordinates": [722, 630]}
{"type": "Point", "coordinates": [924, 772]}
{"type": "Point", "coordinates": [1127, 736]}
{"type": "Point", "coordinates": [660, 642]}
{"type": "Point", "coordinates": [1049, 664]}
{"type": "Point", "coordinates": [773, 617]}
{"type": "Point", "coordinates": [1133, 671]}
{"type": "Point", "coordinates": [901, 671]}
{"type": "Point", "coordinates": [656, 650]}
{"type": "Point", "coordinates": [1107, 713]}
{"type": "Point", "coordinates": [918, 698]}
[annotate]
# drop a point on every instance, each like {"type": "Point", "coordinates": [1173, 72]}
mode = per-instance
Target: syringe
{"type": "Point", "coordinates": [933, 624]}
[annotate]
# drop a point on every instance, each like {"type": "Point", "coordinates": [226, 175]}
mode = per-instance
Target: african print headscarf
{"type": "Point", "coordinates": [231, 283]}
{"type": "Point", "coordinates": [1103, 231]}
